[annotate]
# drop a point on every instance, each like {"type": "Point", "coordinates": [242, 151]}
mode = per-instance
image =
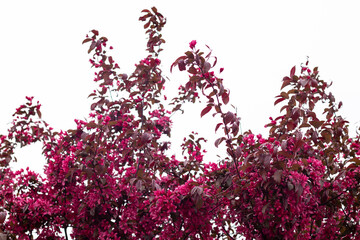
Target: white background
{"type": "Point", "coordinates": [257, 42]}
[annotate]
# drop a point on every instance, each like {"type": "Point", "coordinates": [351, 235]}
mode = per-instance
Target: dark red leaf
{"type": "Point", "coordinates": [218, 141]}
{"type": "Point", "coordinates": [229, 117]}
{"type": "Point", "coordinates": [207, 67]}
{"type": "Point", "coordinates": [277, 176]}
{"type": "Point", "coordinates": [225, 98]}
{"type": "Point", "coordinates": [86, 40]}
{"type": "Point", "coordinates": [181, 65]}
{"type": "Point", "coordinates": [2, 217]}
{"type": "Point", "coordinates": [326, 135]}
{"type": "Point", "coordinates": [316, 124]}
{"type": "Point", "coordinates": [198, 202]}
{"type": "Point", "coordinates": [192, 70]}
{"type": "Point", "coordinates": [145, 138]}
{"type": "Point", "coordinates": [311, 105]}
{"type": "Point", "coordinates": [299, 189]}
{"type": "Point", "coordinates": [217, 126]}
{"type": "Point", "coordinates": [290, 126]}
{"type": "Point", "coordinates": [263, 210]}
{"type": "Point", "coordinates": [235, 128]}
{"type": "Point", "coordinates": [154, 9]}
{"type": "Point", "coordinates": [292, 72]}
{"type": "Point", "coordinates": [284, 95]}
{"type": "Point", "coordinates": [295, 113]}
{"type": "Point", "coordinates": [176, 62]}
{"type": "Point", "coordinates": [92, 46]}
{"type": "Point", "coordinates": [146, 25]}
{"type": "Point", "coordinates": [279, 100]}
{"type": "Point", "coordinates": [286, 81]}
{"type": "Point", "coordinates": [238, 152]}
{"type": "Point", "coordinates": [215, 62]}
{"type": "Point", "coordinates": [91, 124]}
{"type": "Point", "coordinates": [205, 110]}
{"type": "Point", "coordinates": [283, 107]}
{"type": "Point", "coordinates": [189, 54]}
{"type": "Point", "coordinates": [340, 104]}
{"type": "Point", "coordinates": [38, 112]}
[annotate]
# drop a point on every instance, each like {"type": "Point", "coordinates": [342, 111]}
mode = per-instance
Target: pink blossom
{"type": "Point", "coordinates": [192, 44]}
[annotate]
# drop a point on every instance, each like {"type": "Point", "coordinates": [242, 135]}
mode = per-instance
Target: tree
{"type": "Point", "coordinates": [113, 176]}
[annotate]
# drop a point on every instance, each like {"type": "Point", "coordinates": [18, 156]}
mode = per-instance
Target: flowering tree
{"type": "Point", "coordinates": [114, 177]}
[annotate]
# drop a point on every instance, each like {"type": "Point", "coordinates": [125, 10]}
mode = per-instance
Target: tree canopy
{"type": "Point", "coordinates": [115, 176]}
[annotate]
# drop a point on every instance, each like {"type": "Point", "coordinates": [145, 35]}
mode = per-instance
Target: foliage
{"type": "Point", "coordinates": [113, 177]}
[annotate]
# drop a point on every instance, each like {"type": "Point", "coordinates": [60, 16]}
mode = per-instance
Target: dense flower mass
{"type": "Point", "coordinates": [114, 177]}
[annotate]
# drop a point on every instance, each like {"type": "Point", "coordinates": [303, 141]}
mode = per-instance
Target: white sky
{"type": "Point", "coordinates": [257, 42]}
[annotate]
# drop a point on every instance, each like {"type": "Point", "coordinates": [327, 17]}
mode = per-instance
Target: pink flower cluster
{"type": "Point", "coordinates": [114, 176]}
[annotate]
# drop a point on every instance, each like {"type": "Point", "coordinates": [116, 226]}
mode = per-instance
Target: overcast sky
{"type": "Point", "coordinates": [257, 42]}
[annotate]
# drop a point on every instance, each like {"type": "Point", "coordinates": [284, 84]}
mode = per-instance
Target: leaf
{"type": "Point", "coordinates": [340, 104]}
{"type": "Point", "coordinates": [355, 160]}
{"type": "Point", "coordinates": [311, 105]}
{"type": "Point", "coordinates": [304, 125]}
{"type": "Point", "coordinates": [91, 124]}
{"type": "Point", "coordinates": [112, 123]}
{"type": "Point", "coordinates": [145, 138]}
{"type": "Point", "coordinates": [292, 72]}
{"type": "Point", "coordinates": [181, 65]}
{"type": "Point", "coordinates": [277, 176]}
{"type": "Point", "coordinates": [290, 126]}
{"type": "Point", "coordinates": [284, 95]}
{"type": "Point", "coordinates": [86, 40]}
{"type": "Point", "coordinates": [299, 189]}
{"type": "Point", "coordinates": [295, 113]}
{"type": "Point", "coordinates": [2, 217]}
{"type": "Point", "coordinates": [133, 93]}
{"type": "Point", "coordinates": [207, 67]}
{"type": "Point", "coordinates": [155, 185]}
{"type": "Point", "coordinates": [92, 46]}
{"type": "Point", "coordinates": [177, 107]}
{"type": "Point", "coordinates": [95, 32]}
{"type": "Point", "coordinates": [279, 100]}
{"type": "Point", "coordinates": [286, 81]}
{"type": "Point", "coordinates": [93, 106]}
{"type": "Point", "coordinates": [205, 110]}
{"type": "Point", "coordinates": [263, 210]}
{"type": "Point", "coordinates": [225, 98]}
{"type": "Point", "coordinates": [229, 117]}
{"type": "Point", "coordinates": [100, 169]}
{"type": "Point", "coordinates": [280, 164]}
{"type": "Point", "coordinates": [235, 128]}
{"type": "Point", "coordinates": [192, 70]}
{"type": "Point", "coordinates": [326, 135]}
{"type": "Point", "coordinates": [218, 109]}
{"type": "Point", "coordinates": [176, 62]}
{"type": "Point", "coordinates": [197, 190]}
{"type": "Point", "coordinates": [38, 112]}
{"type": "Point", "coordinates": [215, 62]}
{"type": "Point", "coordinates": [146, 25]}
{"type": "Point", "coordinates": [218, 141]}
{"type": "Point", "coordinates": [217, 126]}
{"type": "Point", "coordinates": [283, 107]}
{"type": "Point", "coordinates": [317, 124]}
{"type": "Point", "coordinates": [238, 152]}
{"type": "Point", "coordinates": [198, 202]}
{"type": "Point", "coordinates": [295, 167]}
{"type": "Point", "coordinates": [154, 9]}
